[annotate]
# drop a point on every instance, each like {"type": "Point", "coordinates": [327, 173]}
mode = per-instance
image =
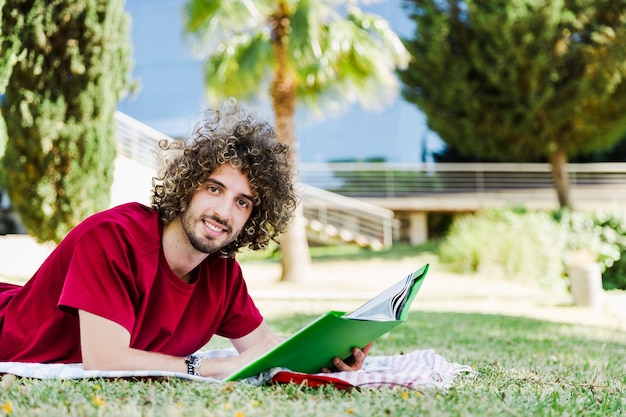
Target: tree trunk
{"type": "Point", "coordinates": [295, 257]}
{"type": "Point", "coordinates": [560, 178]}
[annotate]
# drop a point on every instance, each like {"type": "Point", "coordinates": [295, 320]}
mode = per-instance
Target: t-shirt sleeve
{"type": "Point", "coordinates": [242, 314]}
{"type": "Point", "coordinates": [100, 276]}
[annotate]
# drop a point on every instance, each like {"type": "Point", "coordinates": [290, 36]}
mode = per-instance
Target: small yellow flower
{"type": "Point", "coordinates": [417, 394]}
{"type": "Point", "coordinates": [256, 403]}
{"type": "Point", "coordinates": [350, 410]}
{"type": "Point", "coordinates": [96, 387]}
{"type": "Point", "coordinates": [239, 414]}
{"type": "Point", "coordinates": [7, 407]}
{"type": "Point", "coordinates": [98, 401]}
{"type": "Point", "coordinates": [227, 406]}
{"type": "Point", "coordinates": [405, 395]}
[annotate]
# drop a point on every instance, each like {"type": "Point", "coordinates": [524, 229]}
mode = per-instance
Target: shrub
{"type": "Point", "coordinates": [538, 246]}
{"type": "Point", "coordinates": [602, 234]}
{"type": "Point", "coordinates": [59, 109]}
{"type": "Point", "coordinates": [516, 244]}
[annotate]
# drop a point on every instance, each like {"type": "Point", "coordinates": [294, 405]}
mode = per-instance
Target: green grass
{"type": "Point", "coordinates": [355, 253]}
{"type": "Point", "coordinates": [350, 252]}
{"type": "Point", "coordinates": [525, 368]}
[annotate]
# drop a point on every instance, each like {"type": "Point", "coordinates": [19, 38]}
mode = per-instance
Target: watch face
{"type": "Point", "coordinates": [193, 364]}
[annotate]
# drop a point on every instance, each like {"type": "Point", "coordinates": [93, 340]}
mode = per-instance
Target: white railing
{"type": "Point", "coordinates": [328, 215]}
{"type": "Point", "coordinates": [137, 141]}
{"type": "Point", "coordinates": [389, 180]}
{"type": "Point", "coordinates": [333, 216]}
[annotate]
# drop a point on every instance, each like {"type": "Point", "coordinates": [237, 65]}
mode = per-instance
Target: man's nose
{"type": "Point", "coordinates": [223, 210]}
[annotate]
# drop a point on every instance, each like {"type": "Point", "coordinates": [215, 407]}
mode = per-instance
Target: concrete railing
{"type": "Point", "coordinates": [331, 218]}
{"type": "Point", "coordinates": [137, 161]}
{"type": "Point", "coordinates": [409, 189]}
{"type": "Point", "coordinates": [137, 141]}
{"type": "Point", "coordinates": [389, 180]}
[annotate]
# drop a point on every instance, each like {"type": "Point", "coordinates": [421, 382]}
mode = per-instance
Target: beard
{"type": "Point", "coordinates": [200, 242]}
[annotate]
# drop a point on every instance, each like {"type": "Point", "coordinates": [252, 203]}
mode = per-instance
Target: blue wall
{"type": "Point", "coordinates": [171, 94]}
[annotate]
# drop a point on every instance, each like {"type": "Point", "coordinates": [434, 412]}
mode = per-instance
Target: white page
{"type": "Point", "coordinates": [384, 307]}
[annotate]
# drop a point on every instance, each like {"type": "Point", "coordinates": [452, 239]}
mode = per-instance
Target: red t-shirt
{"type": "Point", "coordinates": [112, 265]}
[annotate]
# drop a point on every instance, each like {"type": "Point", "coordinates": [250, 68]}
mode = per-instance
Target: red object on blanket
{"type": "Point", "coordinates": [310, 380]}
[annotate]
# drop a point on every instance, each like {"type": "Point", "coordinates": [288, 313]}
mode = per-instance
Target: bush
{"type": "Point", "coordinates": [59, 108]}
{"type": "Point", "coordinates": [602, 234]}
{"type": "Point", "coordinates": [537, 246]}
{"type": "Point", "coordinates": [516, 244]}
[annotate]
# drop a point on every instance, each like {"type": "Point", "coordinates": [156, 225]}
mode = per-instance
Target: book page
{"type": "Point", "coordinates": [387, 305]}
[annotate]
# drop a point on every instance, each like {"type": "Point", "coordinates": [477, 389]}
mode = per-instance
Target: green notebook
{"type": "Point", "coordinates": [336, 333]}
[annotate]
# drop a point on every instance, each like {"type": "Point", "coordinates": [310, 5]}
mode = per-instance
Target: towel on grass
{"type": "Point", "coordinates": [420, 369]}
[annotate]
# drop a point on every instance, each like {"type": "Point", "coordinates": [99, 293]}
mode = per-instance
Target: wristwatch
{"type": "Point", "coordinates": [193, 364]}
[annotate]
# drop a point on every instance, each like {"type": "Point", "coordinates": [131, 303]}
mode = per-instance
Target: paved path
{"type": "Point", "coordinates": [342, 285]}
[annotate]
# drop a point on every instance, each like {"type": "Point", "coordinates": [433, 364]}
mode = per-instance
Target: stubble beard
{"type": "Point", "coordinates": [202, 243]}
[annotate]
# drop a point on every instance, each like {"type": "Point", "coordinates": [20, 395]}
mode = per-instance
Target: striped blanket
{"type": "Point", "coordinates": [421, 369]}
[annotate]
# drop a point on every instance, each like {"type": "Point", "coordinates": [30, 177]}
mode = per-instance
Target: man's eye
{"type": "Point", "coordinates": [244, 203]}
{"type": "Point", "coordinates": [211, 188]}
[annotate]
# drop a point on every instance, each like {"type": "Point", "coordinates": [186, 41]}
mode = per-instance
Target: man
{"type": "Point", "coordinates": [138, 288]}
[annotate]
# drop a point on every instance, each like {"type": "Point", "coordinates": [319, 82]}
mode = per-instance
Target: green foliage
{"type": "Point", "coordinates": [537, 245]}
{"type": "Point", "coordinates": [516, 244]}
{"type": "Point", "coordinates": [337, 53]}
{"type": "Point", "coordinates": [518, 80]}
{"type": "Point", "coordinates": [59, 109]}
{"type": "Point", "coordinates": [9, 46]}
{"type": "Point", "coordinates": [525, 367]}
{"type": "Point", "coordinates": [601, 235]}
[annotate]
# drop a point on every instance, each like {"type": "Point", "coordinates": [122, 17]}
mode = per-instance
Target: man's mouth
{"type": "Point", "coordinates": [215, 227]}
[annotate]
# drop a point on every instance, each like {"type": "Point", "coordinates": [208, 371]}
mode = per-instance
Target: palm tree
{"type": "Point", "coordinates": [325, 54]}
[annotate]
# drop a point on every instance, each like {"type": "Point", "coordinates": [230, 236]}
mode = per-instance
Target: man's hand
{"type": "Point", "coordinates": [353, 363]}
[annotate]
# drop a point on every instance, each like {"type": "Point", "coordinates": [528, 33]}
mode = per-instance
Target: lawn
{"type": "Point", "coordinates": [525, 368]}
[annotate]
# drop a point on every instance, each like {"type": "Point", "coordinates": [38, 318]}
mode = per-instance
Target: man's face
{"type": "Point", "coordinates": [218, 210]}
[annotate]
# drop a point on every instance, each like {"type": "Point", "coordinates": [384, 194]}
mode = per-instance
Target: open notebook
{"type": "Point", "coordinates": [336, 333]}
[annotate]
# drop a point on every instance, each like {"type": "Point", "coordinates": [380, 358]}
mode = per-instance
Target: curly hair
{"type": "Point", "coordinates": [234, 137]}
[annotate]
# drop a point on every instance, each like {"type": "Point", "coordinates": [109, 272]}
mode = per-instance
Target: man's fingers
{"type": "Point", "coordinates": [359, 355]}
{"type": "Point", "coordinates": [353, 363]}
